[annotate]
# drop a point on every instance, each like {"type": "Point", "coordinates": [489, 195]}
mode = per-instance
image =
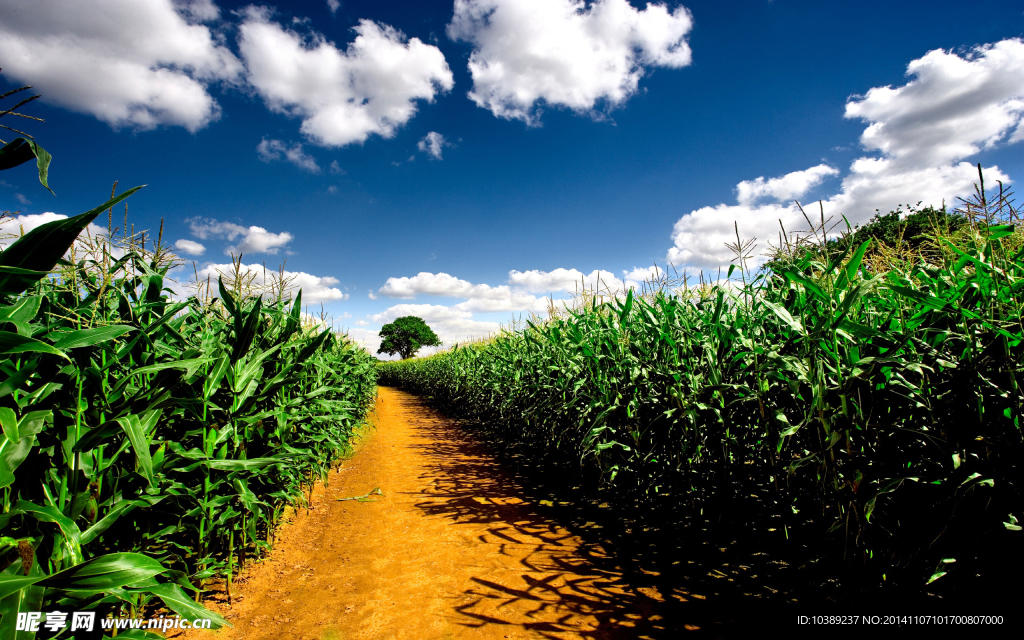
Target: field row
{"type": "Point", "coordinates": [882, 403]}
{"type": "Point", "coordinates": [151, 445]}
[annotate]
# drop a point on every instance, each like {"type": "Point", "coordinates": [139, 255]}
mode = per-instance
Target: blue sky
{"type": "Point", "coordinates": [603, 137]}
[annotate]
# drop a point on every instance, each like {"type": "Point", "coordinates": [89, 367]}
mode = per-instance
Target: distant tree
{"type": "Point", "coordinates": [405, 336]}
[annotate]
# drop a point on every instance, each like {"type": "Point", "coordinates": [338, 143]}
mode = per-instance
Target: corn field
{"type": "Point", "coordinates": [150, 446]}
{"type": "Point", "coordinates": [883, 403]}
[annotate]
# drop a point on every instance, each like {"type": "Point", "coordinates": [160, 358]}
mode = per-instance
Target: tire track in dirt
{"type": "Point", "coordinates": [451, 550]}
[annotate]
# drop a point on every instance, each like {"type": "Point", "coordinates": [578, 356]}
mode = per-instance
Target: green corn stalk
{"type": "Point", "coordinates": [884, 399]}
{"type": "Point", "coordinates": [137, 442]}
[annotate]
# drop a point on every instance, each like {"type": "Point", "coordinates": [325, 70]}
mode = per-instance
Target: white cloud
{"type": "Point", "coordinates": [479, 297]}
{"type": "Point", "coordinates": [434, 284]}
{"type": "Point", "coordinates": [321, 320]}
{"type": "Point", "coordinates": [314, 288]}
{"type": "Point", "coordinates": [451, 324]}
{"type": "Point", "coordinates": [313, 321]}
{"type": "Point", "coordinates": [191, 247]}
{"type": "Point", "coordinates": [563, 280]}
{"type": "Point", "coordinates": [518, 295]}
{"type": "Point", "coordinates": [253, 239]}
{"type": "Point", "coordinates": [11, 228]}
{"type": "Point", "coordinates": [361, 323]}
{"type": "Point", "coordinates": [334, 5]}
{"type": "Point", "coordinates": [135, 63]}
{"type": "Point", "coordinates": [952, 108]}
{"type": "Point", "coordinates": [700, 236]}
{"type": "Point", "coordinates": [458, 322]}
{"type": "Point", "coordinates": [429, 313]}
{"type": "Point", "coordinates": [197, 10]}
{"type": "Point", "coordinates": [880, 183]}
{"type": "Point", "coordinates": [270, 150]}
{"type": "Point", "coordinates": [788, 187]}
{"type": "Point", "coordinates": [342, 96]}
{"type": "Point", "coordinates": [432, 144]}
{"type": "Point", "coordinates": [367, 338]}
{"type": "Point", "coordinates": [564, 52]}
{"type": "Point", "coordinates": [638, 276]}
{"type": "Point", "coordinates": [20, 197]}
{"type": "Point", "coordinates": [336, 168]}
{"type": "Point", "coordinates": [511, 301]}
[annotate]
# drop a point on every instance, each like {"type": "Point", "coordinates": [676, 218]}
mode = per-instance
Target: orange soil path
{"type": "Point", "coordinates": [451, 550]}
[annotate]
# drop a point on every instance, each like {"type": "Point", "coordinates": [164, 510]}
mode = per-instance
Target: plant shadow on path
{"type": "Point", "coordinates": [569, 552]}
{"type": "Point", "coordinates": [491, 541]}
{"type": "Point", "coordinates": [635, 571]}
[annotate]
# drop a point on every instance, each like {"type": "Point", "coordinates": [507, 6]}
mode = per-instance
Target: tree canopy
{"type": "Point", "coordinates": [405, 336]}
{"type": "Point", "coordinates": [911, 230]}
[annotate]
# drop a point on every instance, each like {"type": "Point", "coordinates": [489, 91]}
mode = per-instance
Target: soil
{"type": "Point", "coordinates": [467, 540]}
{"type": "Point", "coordinates": [454, 548]}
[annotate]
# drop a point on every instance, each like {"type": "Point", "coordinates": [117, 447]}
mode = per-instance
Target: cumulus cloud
{"type": "Point", "coordinates": [787, 187]}
{"type": "Point", "coordinates": [699, 237]}
{"type": "Point", "coordinates": [333, 5]}
{"type": "Point", "coordinates": [451, 324]}
{"type": "Point", "coordinates": [429, 313]}
{"type": "Point", "coordinates": [636, 277]}
{"type": "Point", "coordinates": [565, 53]}
{"type": "Point", "coordinates": [313, 321]}
{"type": "Point", "coordinates": [517, 295]}
{"type": "Point", "coordinates": [511, 301]}
{"type": "Point", "coordinates": [882, 184]}
{"type": "Point", "coordinates": [270, 150]}
{"type": "Point", "coordinates": [458, 322]}
{"type": "Point", "coordinates": [434, 284]}
{"type": "Point", "coordinates": [343, 97]}
{"type": "Point", "coordinates": [369, 339]}
{"type": "Point", "coordinates": [479, 297]}
{"type": "Point", "coordinates": [563, 280]}
{"type": "Point", "coordinates": [191, 247]}
{"type": "Point", "coordinates": [197, 10]}
{"type": "Point", "coordinates": [952, 107]}
{"type": "Point", "coordinates": [134, 63]}
{"type": "Point", "coordinates": [432, 144]}
{"type": "Point", "coordinates": [251, 239]}
{"type": "Point", "coordinates": [11, 228]}
{"type": "Point", "coordinates": [314, 288]}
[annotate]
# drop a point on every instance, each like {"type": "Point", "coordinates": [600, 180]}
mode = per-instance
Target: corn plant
{"type": "Point", "coordinates": [150, 446]}
{"type": "Point", "coordinates": [887, 401]}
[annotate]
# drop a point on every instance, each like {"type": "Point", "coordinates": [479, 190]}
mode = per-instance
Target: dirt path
{"type": "Point", "coordinates": [451, 550]}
